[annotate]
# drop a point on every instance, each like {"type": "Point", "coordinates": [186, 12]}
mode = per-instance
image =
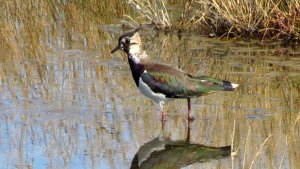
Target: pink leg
{"type": "Point", "coordinates": [190, 117]}
{"type": "Point", "coordinates": [163, 116]}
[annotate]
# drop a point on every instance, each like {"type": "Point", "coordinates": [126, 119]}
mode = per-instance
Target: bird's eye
{"type": "Point", "coordinates": [127, 41]}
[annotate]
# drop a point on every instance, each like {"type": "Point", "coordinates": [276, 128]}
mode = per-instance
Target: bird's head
{"type": "Point", "coordinates": [129, 42]}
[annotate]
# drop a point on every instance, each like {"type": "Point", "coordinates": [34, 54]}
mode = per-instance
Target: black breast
{"type": "Point", "coordinates": [136, 69]}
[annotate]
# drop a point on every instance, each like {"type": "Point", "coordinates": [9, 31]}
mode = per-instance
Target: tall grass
{"type": "Point", "coordinates": [254, 18]}
{"type": "Point", "coordinates": [33, 23]}
{"type": "Point", "coordinates": [154, 11]}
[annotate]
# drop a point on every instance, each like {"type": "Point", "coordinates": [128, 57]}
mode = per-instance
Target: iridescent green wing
{"type": "Point", "coordinates": [169, 81]}
{"type": "Point", "coordinates": [175, 83]}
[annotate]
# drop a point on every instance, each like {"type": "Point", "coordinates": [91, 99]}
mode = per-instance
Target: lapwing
{"type": "Point", "coordinates": [163, 83]}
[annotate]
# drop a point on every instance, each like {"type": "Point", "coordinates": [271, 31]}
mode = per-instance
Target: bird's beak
{"type": "Point", "coordinates": [116, 48]}
{"type": "Point", "coordinates": [119, 47]}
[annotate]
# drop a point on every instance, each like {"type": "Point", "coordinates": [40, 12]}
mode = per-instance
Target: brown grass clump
{"type": "Point", "coordinates": [154, 11]}
{"type": "Point", "coordinates": [256, 18]}
{"type": "Point", "coordinates": [259, 18]}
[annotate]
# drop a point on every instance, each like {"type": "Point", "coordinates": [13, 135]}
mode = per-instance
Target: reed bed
{"type": "Point", "coordinates": [236, 18]}
{"type": "Point", "coordinates": [154, 11]}
{"type": "Point", "coordinates": [37, 25]}
{"type": "Point", "coordinates": [33, 22]}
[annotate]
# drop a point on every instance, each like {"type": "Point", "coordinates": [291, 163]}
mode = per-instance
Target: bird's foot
{"type": "Point", "coordinates": [163, 119]}
{"type": "Point", "coordinates": [163, 123]}
{"type": "Point", "coordinates": [190, 118]}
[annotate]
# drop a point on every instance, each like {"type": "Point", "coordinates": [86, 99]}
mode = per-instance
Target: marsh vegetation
{"type": "Point", "coordinates": [66, 102]}
{"type": "Point", "coordinates": [255, 18]}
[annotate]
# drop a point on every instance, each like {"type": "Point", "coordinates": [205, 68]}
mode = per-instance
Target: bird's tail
{"type": "Point", "coordinates": [211, 84]}
{"type": "Point", "coordinates": [228, 86]}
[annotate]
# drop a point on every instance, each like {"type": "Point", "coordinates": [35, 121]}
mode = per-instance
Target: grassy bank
{"type": "Point", "coordinates": [235, 18]}
{"type": "Point", "coordinates": [34, 24]}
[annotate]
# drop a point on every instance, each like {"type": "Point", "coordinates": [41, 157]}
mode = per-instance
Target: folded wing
{"type": "Point", "coordinates": [175, 83]}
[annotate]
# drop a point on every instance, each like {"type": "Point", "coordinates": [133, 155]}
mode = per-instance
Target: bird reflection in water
{"type": "Point", "coordinates": [165, 153]}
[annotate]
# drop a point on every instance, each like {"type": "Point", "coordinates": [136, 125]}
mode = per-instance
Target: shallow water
{"type": "Point", "coordinates": [80, 108]}
{"type": "Point", "coordinates": [74, 105]}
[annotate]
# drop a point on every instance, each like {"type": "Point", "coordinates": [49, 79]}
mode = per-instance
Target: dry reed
{"type": "Point", "coordinates": [256, 18]}
{"type": "Point", "coordinates": [153, 11]}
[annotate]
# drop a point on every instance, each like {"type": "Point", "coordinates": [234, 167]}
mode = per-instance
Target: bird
{"type": "Point", "coordinates": [161, 82]}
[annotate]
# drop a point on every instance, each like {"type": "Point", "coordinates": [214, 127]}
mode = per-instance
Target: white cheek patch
{"type": "Point", "coordinates": [135, 48]}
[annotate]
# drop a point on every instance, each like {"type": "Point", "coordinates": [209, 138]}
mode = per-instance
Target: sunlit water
{"type": "Point", "coordinates": [76, 107]}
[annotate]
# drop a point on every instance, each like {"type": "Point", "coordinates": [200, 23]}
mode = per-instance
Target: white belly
{"type": "Point", "coordinates": [157, 97]}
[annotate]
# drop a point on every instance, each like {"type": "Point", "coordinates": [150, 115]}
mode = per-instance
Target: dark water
{"type": "Point", "coordinates": [78, 107]}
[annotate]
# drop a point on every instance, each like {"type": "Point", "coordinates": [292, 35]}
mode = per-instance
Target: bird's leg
{"type": "Point", "coordinates": [188, 137]}
{"type": "Point", "coordinates": [190, 116]}
{"type": "Point", "coordinates": [163, 121]}
{"type": "Point", "coordinates": [163, 114]}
